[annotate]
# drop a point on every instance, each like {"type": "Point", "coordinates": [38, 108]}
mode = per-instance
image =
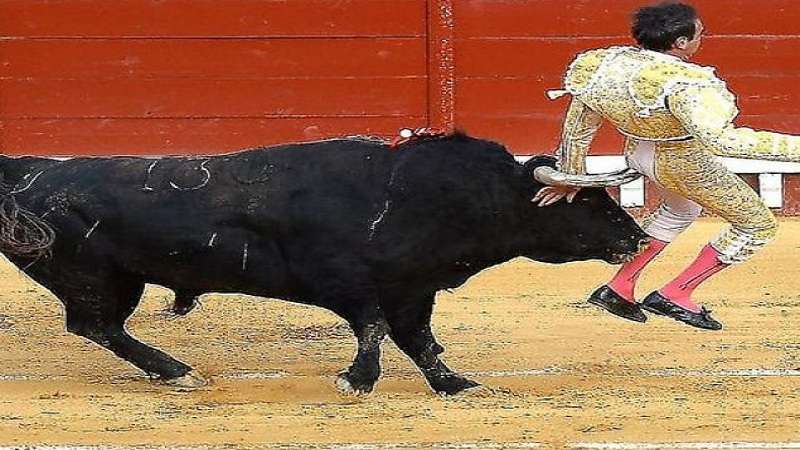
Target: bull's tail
{"type": "Point", "coordinates": [22, 233]}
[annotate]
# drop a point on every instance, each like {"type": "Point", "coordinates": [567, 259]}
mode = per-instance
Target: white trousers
{"type": "Point", "coordinates": [676, 213]}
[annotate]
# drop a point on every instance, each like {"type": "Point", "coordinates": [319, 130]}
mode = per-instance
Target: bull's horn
{"type": "Point", "coordinates": [552, 177]}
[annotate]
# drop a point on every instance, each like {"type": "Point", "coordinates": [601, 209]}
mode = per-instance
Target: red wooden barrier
{"type": "Point", "coordinates": [203, 76]}
{"type": "Point", "coordinates": [511, 51]}
{"type": "Point", "coordinates": [253, 59]}
{"type": "Point", "coordinates": [76, 76]}
{"type": "Point", "coordinates": [577, 19]}
{"type": "Point", "coordinates": [116, 19]}
{"type": "Point", "coordinates": [179, 136]}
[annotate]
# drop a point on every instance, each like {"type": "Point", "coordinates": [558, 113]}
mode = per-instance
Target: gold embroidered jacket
{"type": "Point", "coordinates": [653, 96]}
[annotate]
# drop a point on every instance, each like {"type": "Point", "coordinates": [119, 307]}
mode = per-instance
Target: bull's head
{"type": "Point", "coordinates": [593, 226]}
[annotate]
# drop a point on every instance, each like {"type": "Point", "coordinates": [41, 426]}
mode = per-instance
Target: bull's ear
{"type": "Point", "coordinates": [534, 163]}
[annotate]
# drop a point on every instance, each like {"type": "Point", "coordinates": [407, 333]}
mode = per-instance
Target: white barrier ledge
{"type": "Point", "coordinates": [770, 178]}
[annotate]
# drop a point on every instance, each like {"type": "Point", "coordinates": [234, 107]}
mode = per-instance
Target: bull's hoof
{"type": "Point", "coordinates": [452, 384]}
{"type": "Point", "coordinates": [192, 380]}
{"type": "Point", "coordinates": [185, 302]}
{"type": "Point", "coordinates": [346, 385]}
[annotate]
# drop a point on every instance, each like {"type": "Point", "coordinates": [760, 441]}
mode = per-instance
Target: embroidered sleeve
{"type": "Point", "coordinates": [707, 113]}
{"type": "Point", "coordinates": [580, 126]}
{"type": "Point", "coordinates": [582, 72]}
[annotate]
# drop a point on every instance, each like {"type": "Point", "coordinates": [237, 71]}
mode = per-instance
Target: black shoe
{"type": "Point", "coordinates": [609, 300]}
{"type": "Point", "coordinates": [658, 304]}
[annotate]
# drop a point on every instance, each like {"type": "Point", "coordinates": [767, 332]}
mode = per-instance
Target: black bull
{"type": "Point", "coordinates": [367, 232]}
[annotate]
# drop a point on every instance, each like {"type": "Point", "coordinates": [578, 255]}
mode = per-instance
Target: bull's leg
{"type": "Point", "coordinates": [354, 298]}
{"type": "Point", "coordinates": [361, 376]}
{"type": "Point", "coordinates": [98, 313]}
{"type": "Point", "coordinates": [410, 329]}
{"type": "Point", "coordinates": [185, 302]}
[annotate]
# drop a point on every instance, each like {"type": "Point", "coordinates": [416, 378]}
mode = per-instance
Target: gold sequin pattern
{"type": "Point", "coordinates": [580, 126]}
{"type": "Point", "coordinates": [688, 112]}
{"type": "Point", "coordinates": [629, 87]}
{"type": "Point", "coordinates": [708, 114]}
{"type": "Point", "coordinates": [692, 171]}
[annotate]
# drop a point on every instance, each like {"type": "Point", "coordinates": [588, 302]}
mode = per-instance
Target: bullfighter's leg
{"type": "Point", "coordinates": [672, 218]}
{"type": "Point", "coordinates": [370, 329]}
{"type": "Point", "coordinates": [693, 171]}
{"type": "Point", "coordinates": [99, 312]}
{"type": "Point", "coordinates": [410, 328]}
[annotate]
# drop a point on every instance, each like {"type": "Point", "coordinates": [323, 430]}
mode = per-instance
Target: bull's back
{"type": "Point", "coordinates": [238, 222]}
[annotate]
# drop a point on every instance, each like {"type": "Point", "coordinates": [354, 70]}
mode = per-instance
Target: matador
{"type": "Point", "coordinates": [677, 118]}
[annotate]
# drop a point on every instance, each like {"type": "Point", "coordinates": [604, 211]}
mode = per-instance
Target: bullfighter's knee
{"type": "Point", "coordinates": [671, 220]}
{"type": "Point", "coordinates": [740, 241]}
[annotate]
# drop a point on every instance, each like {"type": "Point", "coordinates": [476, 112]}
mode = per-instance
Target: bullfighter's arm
{"type": "Point", "coordinates": [707, 113]}
{"type": "Point", "coordinates": [580, 126]}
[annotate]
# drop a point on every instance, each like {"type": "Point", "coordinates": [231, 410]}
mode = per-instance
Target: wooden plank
{"type": "Point", "coordinates": [766, 96]}
{"type": "Point", "coordinates": [522, 58]}
{"type": "Point", "coordinates": [532, 135]}
{"type": "Point", "coordinates": [212, 58]}
{"type": "Point", "coordinates": [782, 123]}
{"type": "Point", "coordinates": [212, 98]}
{"type": "Point", "coordinates": [524, 97]}
{"type": "Point", "coordinates": [205, 18]}
{"type": "Point", "coordinates": [538, 57]}
{"type": "Point", "coordinates": [518, 18]}
{"type": "Point", "coordinates": [589, 18]}
{"type": "Point", "coordinates": [69, 137]}
{"type": "Point", "coordinates": [508, 97]}
{"type": "Point", "coordinates": [791, 195]}
{"type": "Point", "coordinates": [540, 134]}
{"type": "Point", "coordinates": [753, 56]}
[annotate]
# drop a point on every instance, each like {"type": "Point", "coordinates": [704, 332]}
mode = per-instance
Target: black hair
{"type": "Point", "coordinates": [658, 27]}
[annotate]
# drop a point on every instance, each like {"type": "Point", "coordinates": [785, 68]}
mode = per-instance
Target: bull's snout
{"type": "Point", "coordinates": [626, 256]}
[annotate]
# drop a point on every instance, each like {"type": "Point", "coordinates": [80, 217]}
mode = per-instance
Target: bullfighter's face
{"type": "Point", "coordinates": [686, 47]}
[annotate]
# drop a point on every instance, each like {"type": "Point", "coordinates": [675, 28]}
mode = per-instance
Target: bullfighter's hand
{"type": "Point", "coordinates": [551, 194]}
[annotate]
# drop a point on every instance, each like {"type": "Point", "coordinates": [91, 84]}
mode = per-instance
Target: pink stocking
{"type": "Point", "coordinates": [624, 281]}
{"type": "Point", "coordinates": [679, 290]}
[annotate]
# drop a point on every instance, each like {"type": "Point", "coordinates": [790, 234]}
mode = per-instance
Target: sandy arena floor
{"type": "Point", "coordinates": [558, 374]}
